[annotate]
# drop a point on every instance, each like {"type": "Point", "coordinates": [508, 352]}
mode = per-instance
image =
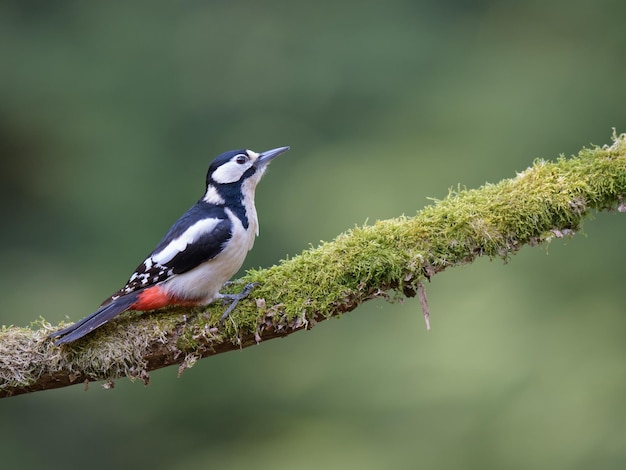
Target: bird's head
{"type": "Point", "coordinates": [231, 170]}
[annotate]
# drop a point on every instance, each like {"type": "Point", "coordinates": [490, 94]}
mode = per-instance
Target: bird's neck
{"type": "Point", "coordinates": [238, 197]}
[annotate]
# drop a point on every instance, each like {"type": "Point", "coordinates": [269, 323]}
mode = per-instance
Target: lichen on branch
{"type": "Point", "coordinates": [387, 259]}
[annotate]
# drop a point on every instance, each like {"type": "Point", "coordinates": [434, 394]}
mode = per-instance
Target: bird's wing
{"type": "Point", "coordinates": [198, 236]}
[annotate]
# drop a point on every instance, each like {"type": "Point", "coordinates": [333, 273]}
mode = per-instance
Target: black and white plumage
{"type": "Point", "coordinates": [202, 250]}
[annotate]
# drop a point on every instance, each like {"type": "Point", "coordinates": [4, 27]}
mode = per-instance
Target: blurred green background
{"type": "Point", "coordinates": [109, 115]}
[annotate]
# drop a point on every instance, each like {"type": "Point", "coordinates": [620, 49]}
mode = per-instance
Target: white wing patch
{"type": "Point", "coordinates": [202, 227]}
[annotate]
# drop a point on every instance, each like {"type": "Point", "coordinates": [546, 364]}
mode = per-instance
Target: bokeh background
{"type": "Point", "coordinates": [109, 115]}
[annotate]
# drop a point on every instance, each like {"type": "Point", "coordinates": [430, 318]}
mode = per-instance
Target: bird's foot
{"type": "Point", "coordinates": [235, 298]}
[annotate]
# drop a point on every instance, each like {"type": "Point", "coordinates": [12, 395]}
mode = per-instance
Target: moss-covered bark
{"type": "Point", "coordinates": [549, 199]}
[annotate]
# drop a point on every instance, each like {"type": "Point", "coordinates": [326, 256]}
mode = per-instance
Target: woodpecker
{"type": "Point", "coordinates": [200, 252]}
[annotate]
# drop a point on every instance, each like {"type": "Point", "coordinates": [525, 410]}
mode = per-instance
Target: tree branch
{"type": "Point", "coordinates": [545, 201]}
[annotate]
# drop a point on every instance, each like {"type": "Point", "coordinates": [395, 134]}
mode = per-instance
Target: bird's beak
{"type": "Point", "coordinates": [269, 155]}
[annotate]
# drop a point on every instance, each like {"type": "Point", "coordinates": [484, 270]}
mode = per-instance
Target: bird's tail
{"type": "Point", "coordinates": [95, 320]}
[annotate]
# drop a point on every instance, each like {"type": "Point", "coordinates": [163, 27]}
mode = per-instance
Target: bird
{"type": "Point", "coordinates": [204, 248]}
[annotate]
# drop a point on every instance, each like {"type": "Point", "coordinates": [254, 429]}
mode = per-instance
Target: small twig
{"type": "Point", "coordinates": [421, 292]}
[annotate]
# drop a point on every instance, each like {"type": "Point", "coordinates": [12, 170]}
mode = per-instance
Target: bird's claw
{"type": "Point", "coordinates": [235, 298]}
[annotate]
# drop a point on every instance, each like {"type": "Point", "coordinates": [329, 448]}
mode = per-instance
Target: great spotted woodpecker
{"type": "Point", "coordinates": [200, 252]}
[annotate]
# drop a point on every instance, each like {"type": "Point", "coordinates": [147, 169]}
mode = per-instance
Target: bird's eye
{"type": "Point", "coordinates": [241, 159]}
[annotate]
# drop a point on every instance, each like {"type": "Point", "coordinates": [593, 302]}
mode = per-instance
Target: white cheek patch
{"type": "Point", "coordinates": [186, 238]}
{"type": "Point", "coordinates": [230, 172]}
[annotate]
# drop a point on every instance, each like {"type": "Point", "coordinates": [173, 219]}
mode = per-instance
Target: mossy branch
{"type": "Point", "coordinates": [549, 199]}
